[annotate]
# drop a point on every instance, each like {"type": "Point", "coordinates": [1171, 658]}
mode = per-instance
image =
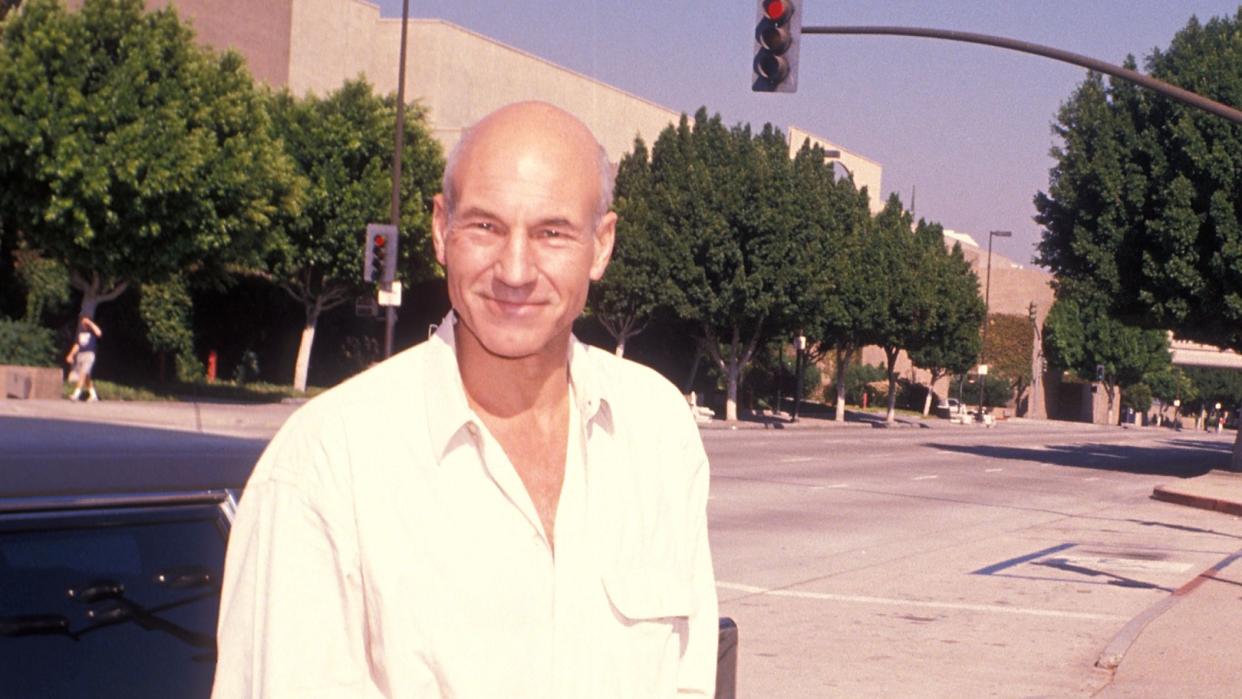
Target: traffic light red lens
{"type": "Point", "coordinates": [775, 10]}
{"type": "Point", "coordinates": [380, 240]}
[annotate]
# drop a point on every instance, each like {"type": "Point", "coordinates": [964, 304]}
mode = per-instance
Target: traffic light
{"type": "Point", "coordinates": [778, 30]}
{"type": "Point", "coordinates": [379, 262]}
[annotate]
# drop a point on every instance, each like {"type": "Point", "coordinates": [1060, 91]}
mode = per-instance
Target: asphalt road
{"type": "Point", "coordinates": [949, 562]}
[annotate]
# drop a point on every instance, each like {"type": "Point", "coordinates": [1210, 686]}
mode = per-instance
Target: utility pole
{"type": "Point", "coordinates": [987, 297]}
{"type": "Point", "coordinates": [390, 312]}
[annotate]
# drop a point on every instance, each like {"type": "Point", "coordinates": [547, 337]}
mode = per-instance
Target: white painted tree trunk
{"type": "Point", "coordinates": [621, 346]}
{"type": "Point", "coordinates": [891, 415]}
{"type": "Point", "coordinates": [733, 372]}
{"type": "Point", "coordinates": [302, 367]}
{"type": "Point", "coordinates": [839, 416]}
{"type": "Point", "coordinates": [927, 399]}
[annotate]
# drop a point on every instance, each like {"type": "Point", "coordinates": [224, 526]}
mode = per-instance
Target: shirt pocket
{"type": "Point", "coordinates": [652, 608]}
{"type": "Point", "coordinates": [650, 595]}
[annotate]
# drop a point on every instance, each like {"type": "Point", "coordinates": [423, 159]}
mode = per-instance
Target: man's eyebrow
{"type": "Point", "coordinates": [475, 212]}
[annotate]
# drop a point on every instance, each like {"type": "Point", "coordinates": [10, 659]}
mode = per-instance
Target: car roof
{"type": "Point", "coordinates": [55, 458]}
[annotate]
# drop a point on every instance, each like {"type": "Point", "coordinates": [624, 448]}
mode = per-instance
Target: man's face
{"type": "Point", "coordinates": [522, 244]}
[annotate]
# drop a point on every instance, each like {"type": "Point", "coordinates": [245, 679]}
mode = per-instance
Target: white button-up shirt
{"type": "Point", "coordinates": [386, 546]}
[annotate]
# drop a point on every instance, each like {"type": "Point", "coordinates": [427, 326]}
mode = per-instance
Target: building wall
{"type": "Point", "coordinates": [260, 30]}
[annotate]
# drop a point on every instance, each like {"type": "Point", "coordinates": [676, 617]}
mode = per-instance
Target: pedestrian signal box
{"type": "Point", "coordinates": [778, 32]}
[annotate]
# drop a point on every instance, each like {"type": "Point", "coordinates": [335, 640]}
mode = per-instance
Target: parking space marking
{"type": "Point", "coordinates": [926, 604]}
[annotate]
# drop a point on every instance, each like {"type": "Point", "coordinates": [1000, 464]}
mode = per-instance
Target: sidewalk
{"type": "Point", "coordinates": [236, 419]}
{"type": "Point", "coordinates": [1187, 645]}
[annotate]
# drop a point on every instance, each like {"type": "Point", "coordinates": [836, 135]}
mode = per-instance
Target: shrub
{"type": "Point", "coordinates": [26, 344]}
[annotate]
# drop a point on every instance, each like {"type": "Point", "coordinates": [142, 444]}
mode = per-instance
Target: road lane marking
{"type": "Point", "coordinates": [1093, 478]}
{"type": "Point", "coordinates": [924, 478]}
{"type": "Point", "coordinates": [953, 606]}
{"type": "Point", "coordinates": [838, 485]}
{"type": "Point", "coordinates": [796, 459]}
{"type": "Point", "coordinates": [993, 470]}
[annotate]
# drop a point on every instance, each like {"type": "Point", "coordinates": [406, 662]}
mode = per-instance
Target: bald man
{"type": "Point", "coordinates": [501, 511]}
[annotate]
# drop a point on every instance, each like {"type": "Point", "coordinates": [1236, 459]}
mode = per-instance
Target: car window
{"type": "Point", "coordinates": [110, 603]}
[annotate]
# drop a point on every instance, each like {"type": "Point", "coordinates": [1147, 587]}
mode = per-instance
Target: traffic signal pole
{"type": "Point", "coordinates": [1159, 86]}
{"type": "Point", "coordinates": [390, 312]}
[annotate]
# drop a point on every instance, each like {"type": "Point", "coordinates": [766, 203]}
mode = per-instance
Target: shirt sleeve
{"type": "Point", "coordinates": [697, 676]}
{"type": "Point", "coordinates": [292, 617]}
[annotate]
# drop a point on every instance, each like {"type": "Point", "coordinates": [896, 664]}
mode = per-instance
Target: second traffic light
{"type": "Point", "coordinates": [379, 262]}
{"type": "Point", "coordinates": [778, 31]}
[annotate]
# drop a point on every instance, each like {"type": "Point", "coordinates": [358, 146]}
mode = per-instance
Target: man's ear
{"type": "Point", "coordinates": [439, 226]}
{"type": "Point", "coordinates": [605, 237]}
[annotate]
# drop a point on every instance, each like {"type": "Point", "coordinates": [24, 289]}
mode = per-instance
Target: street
{"type": "Point", "coordinates": [950, 562]}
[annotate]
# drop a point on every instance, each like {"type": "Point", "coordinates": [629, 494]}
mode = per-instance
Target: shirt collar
{"type": "Point", "coordinates": [448, 413]}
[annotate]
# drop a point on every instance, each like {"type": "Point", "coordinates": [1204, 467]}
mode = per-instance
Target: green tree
{"type": "Point", "coordinates": [722, 210]}
{"type": "Point", "coordinates": [1144, 206]}
{"type": "Point", "coordinates": [840, 308]}
{"type": "Point", "coordinates": [1082, 338]}
{"type": "Point", "coordinates": [342, 145]}
{"type": "Point", "coordinates": [636, 282]}
{"type": "Point", "coordinates": [128, 153]}
{"type": "Point", "coordinates": [167, 311]}
{"type": "Point", "coordinates": [949, 336]}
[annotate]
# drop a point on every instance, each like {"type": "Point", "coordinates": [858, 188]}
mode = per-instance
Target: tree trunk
{"type": "Point", "coordinates": [733, 379]}
{"type": "Point", "coordinates": [302, 366]}
{"type": "Point", "coordinates": [891, 416]}
{"type": "Point", "coordinates": [842, 359]}
{"type": "Point", "coordinates": [931, 384]}
{"type": "Point", "coordinates": [621, 345]}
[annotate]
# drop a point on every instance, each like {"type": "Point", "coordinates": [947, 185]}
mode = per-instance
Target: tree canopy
{"type": "Point", "coordinates": [342, 146]}
{"type": "Point", "coordinates": [1144, 207]}
{"type": "Point", "coordinates": [637, 281]}
{"type": "Point", "coordinates": [1085, 338]}
{"type": "Point", "coordinates": [127, 152]}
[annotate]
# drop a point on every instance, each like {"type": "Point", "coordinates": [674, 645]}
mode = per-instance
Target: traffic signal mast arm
{"type": "Point", "coordinates": [1159, 86]}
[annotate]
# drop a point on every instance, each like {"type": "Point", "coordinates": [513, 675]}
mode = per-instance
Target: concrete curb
{"type": "Point", "coordinates": [1112, 655]}
{"type": "Point", "coordinates": [1219, 491]}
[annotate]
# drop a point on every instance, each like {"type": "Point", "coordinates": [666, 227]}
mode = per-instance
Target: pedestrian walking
{"type": "Point", "coordinates": [82, 358]}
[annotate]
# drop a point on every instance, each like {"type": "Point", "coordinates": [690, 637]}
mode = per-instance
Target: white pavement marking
{"type": "Point", "coordinates": [1127, 565]}
{"type": "Point", "coordinates": [954, 606]}
{"type": "Point", "coordinates": [923, 478]}
{"type": "Point", "coordinates": [993, 470]}
{"type": "Point", "coordinates": [797, 459]}
{"type": "Point", "coordinates": [838, 485]}
{"type": "Point", "coordinates": [1093, 478]}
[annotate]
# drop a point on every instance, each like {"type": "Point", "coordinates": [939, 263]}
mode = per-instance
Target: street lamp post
{"type": "Point", "coordinates": [987, 298]}
{"type": "Point", "coordinates": [835, 157]}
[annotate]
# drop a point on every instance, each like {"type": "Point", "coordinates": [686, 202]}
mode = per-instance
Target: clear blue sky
{"type": "Point", "coordinates": [968, 126]}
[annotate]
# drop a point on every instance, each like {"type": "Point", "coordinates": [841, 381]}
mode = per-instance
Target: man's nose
{"type": "Point", "coordinates": [516, 266]}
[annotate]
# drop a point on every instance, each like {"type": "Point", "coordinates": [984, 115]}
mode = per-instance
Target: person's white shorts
{"type": "Point", "coordinates": [83, 363]}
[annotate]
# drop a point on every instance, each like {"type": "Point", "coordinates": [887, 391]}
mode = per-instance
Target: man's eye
{"type": "Point", "coordinates": [551, 233]}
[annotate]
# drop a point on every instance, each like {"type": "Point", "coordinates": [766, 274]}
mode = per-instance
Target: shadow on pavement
{"type": "Point", "coordinates": [40, 456]}
{"type": "Point", "coordinates": [1182, 459]}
